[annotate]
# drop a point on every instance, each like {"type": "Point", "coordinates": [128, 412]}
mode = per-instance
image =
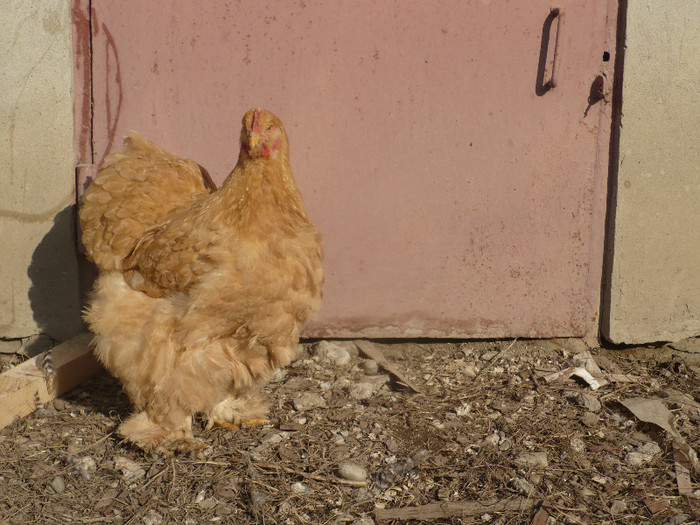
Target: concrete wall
{"type": "Point", "coordinates": [39, 290]}
{"type": "Point", "coordinates": [655, 283]}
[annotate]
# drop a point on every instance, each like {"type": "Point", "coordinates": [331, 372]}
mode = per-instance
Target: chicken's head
{"type": "Point", "coordinates": [262, 134]}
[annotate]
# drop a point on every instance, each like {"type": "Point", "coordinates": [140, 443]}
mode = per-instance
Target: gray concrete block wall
{"type": "Point", "coordinates": [655, 282]}
{"type": "Point", "coordinates": [39, 287]}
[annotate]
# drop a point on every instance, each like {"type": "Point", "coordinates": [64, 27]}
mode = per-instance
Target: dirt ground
{"type": "Point", "coordinates": [489, 438]}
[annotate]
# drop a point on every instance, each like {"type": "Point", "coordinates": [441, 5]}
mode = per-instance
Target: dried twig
{"type": "Point", "coordinates": [256, 497]}
{"type": "Point", "coordinates": [448, 509]}
{"type": "Point", "coordinates": [94, 444]}
{"type": "Point", "coordinates": [136, 515]}
{"type": "Point", "coordinates": [172, 485]}
{"type": "Point", "coordinates": [155, 477]}
{"type": "Point", "coordinates": [307, 475]}
{"type": "Point", "coordinates": [498, 356]}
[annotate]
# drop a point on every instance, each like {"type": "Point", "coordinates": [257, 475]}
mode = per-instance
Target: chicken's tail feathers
{"type": "Point", "coordinates": [135, 144]}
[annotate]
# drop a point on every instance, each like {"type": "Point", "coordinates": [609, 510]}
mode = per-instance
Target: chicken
{"type": "Point", "coordinates": [201, 291]}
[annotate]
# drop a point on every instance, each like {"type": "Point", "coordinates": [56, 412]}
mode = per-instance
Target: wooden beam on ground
{"type": "Point", "coordinates": [27, 385]}
{"type": "Point", "coordinates": [449, 509]}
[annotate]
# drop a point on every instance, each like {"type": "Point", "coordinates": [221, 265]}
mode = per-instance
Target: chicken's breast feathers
{"type": "Point", "coordinates": [134, 190]}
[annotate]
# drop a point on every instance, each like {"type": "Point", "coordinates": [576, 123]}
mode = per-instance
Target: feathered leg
{"type": "Point", "coordinates": [238, 409]}
{"type": "Point", "coordinates": [142, 431]}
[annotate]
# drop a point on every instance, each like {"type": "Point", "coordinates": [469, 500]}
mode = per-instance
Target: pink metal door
{"type": "Point", "coordinates": [458, 195]}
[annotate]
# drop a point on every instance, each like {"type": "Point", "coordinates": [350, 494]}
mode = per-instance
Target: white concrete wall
{"type": "Point", "coordinates": [39, 291]}
{"type": "Point", "coordinates": [655, 284]}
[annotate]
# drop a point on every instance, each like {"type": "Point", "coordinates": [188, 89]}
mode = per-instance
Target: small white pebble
{"type": "Point", "coordinates": [578, 445]}
{"type": "Point", "coordinates": [307, 401]}
{"type": "Point", "coordinates": [370, 367]}
{"type": "Point", "coordinates": [333, 352]}
{"type": "Point", "coordinates": [650, 448]}
{"type": "Point", "coordinates": [463, 410]}
{"type": "Point", "coordinates": [129, 469]}
{"type": "Point", "coordinates": [600, 480]}
{"type": "Point", "coordinates": [85, 466]}
{"type": "Point", "coordinates": [522, 485]}
{"type": "Point", "coordinates": [367, 389]}
{"type": "Point", "coordinates": [352, 471]}
{"type": "Point", "coordinates": [276, 437]}
{"type": "Point", "coordinates": [208, 503]}
{"type": "Point", "coordinates": [491, 440]}
{"type": "Point", "coordinates": [470, 371]}
{"type": "Point", "coordinates": [637, 459]}
{"type": "Point", "coordinates": [618, 507]}
{"type": "Point", "coordinates": [58, 485]}
{"type": "Point", "coordinates": [505, 444]}
{"type": "Point", "coordinates": [532, 459]}
{"type": "Point", "coordinates": [300, 488]}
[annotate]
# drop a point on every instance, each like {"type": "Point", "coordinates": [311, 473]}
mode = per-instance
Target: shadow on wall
{"type": "Point", "coordinates": [55, 295]}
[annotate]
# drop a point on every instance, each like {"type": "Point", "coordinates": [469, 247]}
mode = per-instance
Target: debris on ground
{"type": "Point", "coordinates": [368, 433]}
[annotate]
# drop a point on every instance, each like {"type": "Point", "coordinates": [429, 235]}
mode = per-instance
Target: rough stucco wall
{"type": "Point", "coordinates": [38, 268]}
{"type": "Point", "coordinates": [655, 282]}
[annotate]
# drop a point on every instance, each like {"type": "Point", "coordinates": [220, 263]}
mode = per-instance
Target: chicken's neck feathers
{"type": "Point", "coordinates": [261, 193]}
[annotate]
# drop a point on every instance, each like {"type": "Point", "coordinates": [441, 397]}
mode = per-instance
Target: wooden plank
{"type": "Point", "coordinates": [25, 386]}
{"type": "Point", "coordinates": [449, 509]}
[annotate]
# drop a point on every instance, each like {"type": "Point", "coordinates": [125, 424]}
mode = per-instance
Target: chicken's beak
{"type": "Point", "coordinates": [253, 141]}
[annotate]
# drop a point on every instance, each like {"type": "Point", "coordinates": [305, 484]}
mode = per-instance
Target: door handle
{"type": "Point", "coordinates": [557, 14]}
{"type": "Point", "coordinates": [551, 32]}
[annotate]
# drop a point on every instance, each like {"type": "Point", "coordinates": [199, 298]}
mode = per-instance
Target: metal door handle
{"type": "Point", "coordinates": [558, 13]}
{"type": "Point", "coordinates": [543, 84]}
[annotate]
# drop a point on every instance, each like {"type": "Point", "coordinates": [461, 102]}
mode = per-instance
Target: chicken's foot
{"type": "Point", "coordinates": [233, 426]}
{"type": "Point", "coordinates": [238, 410]}
{"type": "Point", "coordinates": [149, 435]}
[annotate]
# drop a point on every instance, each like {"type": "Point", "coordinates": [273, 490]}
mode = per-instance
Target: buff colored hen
{"type": "Point", "coordinates": [201, 291]}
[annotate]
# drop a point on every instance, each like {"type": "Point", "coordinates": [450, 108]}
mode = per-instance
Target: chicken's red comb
{"type": "Point", "coordinates": [254, 126]}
